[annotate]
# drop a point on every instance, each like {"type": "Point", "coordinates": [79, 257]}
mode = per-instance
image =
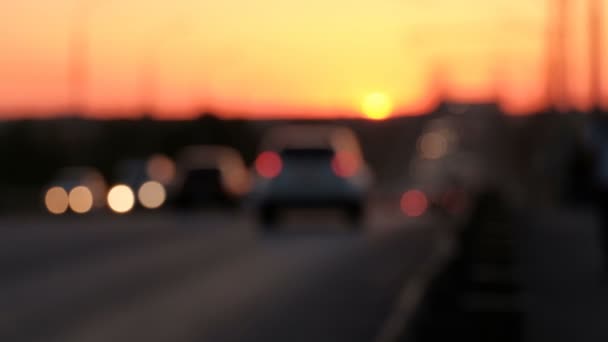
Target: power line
{"type": "Point", "coordinates": [595, 54]}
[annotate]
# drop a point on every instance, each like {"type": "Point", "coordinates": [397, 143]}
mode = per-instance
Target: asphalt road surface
{"type": "Point", "coordinates": [564, 276]}
{"type": "Point", "coordinates": [204, 277]}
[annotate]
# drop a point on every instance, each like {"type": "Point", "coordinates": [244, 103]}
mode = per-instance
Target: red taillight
{"type": "Point", "coordinates": [268, 164]}
{"type": "Point", "coordinates": [455, 201]}
{"type": "Point", "coordinates": [345, 164]}
{"type": "Point", "coordinates": [414, 203]}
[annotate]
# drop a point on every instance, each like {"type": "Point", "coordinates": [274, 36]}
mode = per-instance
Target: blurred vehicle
{"type": "Point", "coordinates": [210, 175]}
{"type": "Point", "coordinates": [77, 189]}
{"type": "Point", "coordinates": [595, 174]}
{"type": "Point", "coordinates": [596, 142]}
{"type": "Point", "coordinates": [131, 172]}
{"type": "Point", "coordinates": [135, 186]}
{"type": "Point", "coordinates": [310, 166]}
{"type": "Point", "coordinates": [446, 191]}
{"type": "Point", "coordinates": [445, 177]}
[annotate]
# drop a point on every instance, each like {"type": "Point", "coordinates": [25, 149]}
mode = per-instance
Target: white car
{"type": "Point", "coordinates": [310, 166]}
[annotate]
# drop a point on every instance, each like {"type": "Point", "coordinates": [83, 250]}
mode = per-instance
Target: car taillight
{"type": "Point", "coordinates": [268, 164]}
{"type": "Point", "coordinates": [414, 203]}
{"type": "Point", "coordinates": [345, 164]}
{"type": "Point", "coordinates": [455, 200]}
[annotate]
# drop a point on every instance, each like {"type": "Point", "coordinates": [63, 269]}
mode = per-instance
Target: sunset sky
{"type": "Point", "coordinates": [260, 58]}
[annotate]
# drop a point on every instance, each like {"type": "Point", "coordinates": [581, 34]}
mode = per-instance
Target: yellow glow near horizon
{"type": "Point", "coordinates": [432, 145]}
{"type": "Point", "coordinates": [377, 106]}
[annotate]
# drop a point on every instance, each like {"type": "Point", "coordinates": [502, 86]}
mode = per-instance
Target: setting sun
{"type": "Point", "coordinates": [377, 106]}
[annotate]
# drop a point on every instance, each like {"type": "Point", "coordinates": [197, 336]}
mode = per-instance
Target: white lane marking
{"type": "Point", "coordinates": [414, 290]}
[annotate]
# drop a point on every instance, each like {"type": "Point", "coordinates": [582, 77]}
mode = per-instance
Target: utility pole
{"type": "Point", "coordinates": [550, 56]}
{"type": "Point", "coordinates": [562, 53]}
{"type": "Point", "coordinates": [78, 59]}
{"type": "Point", "coordinates": [556, 86]}
{"type": "Point", "coordinates": [148, 78]}
{"type": "Point", "coordinates": [148, 74]}
{"type": "Point", "coordinates": [595, 55]}
{"type": "Point", "coordinates": [439, 80]}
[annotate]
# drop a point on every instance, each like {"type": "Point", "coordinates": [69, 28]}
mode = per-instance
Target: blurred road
{"type": "Point", "coordinates": [551, 285]}
{"type": "Point", "coordinates": [203, 277]}
{"type": "Point", "coordinates": [562, 271]}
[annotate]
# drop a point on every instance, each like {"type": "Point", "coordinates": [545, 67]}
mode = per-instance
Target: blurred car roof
{"type": "Point", "coordinates": [209, 156]}
{"type": "Point", "coordinates": [310, 136]}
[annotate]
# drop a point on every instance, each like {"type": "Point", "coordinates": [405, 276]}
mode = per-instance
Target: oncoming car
{"type": "Point", "coordinates": [310, 166]}
{"type": "Point", "coordinates": [135, 188]}
{"type": "Point", "coordinates": [210, 175]}
{"type": "Point", "coordinates": [77, 189]}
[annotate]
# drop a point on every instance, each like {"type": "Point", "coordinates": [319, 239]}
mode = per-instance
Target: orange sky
{"type": "Point", "coordinates": [280, 57]}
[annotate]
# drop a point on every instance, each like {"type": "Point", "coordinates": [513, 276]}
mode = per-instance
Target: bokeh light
{"type": "Point", "coordinates": [414, 203]}
{"type": "Point", "coordinates": [446, 127]}
{"type": "Point", "coordinates": [377, 106]}
{"type": "Point", "coordinates": [343, 139]}
{"type": "Point", "coordinates": [345, 164]}
{"type": "Point", "coordinates": [121, 199]}
{"type": "Point", "coordinates": [161, 169]}
{"type": "Point", "coordinates": [80, 199]}
{"type": "Point", "coordinates": [56, 200]}
{"type": "Point", "coordinates": [432, 145]}
{"type": "Point", "coordinates": [237, 181]}
{"type": "Point", "coordinates": [235, 177]}
{"type": "Point", "coordinates": [152, 195]}
{"type": "Point", "coordinates": [268, 164]}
